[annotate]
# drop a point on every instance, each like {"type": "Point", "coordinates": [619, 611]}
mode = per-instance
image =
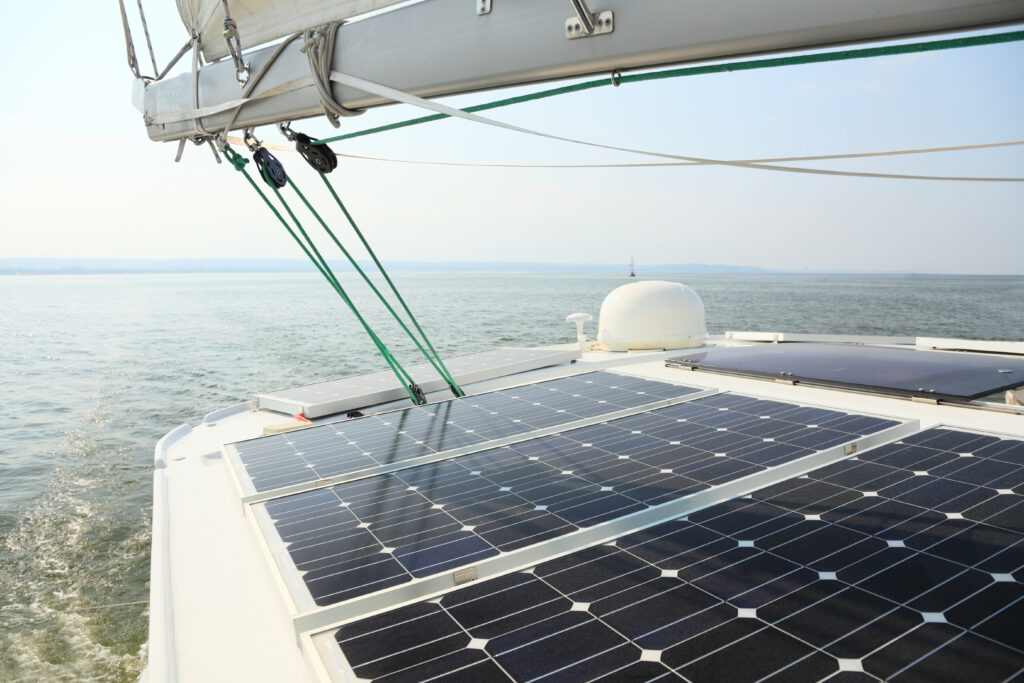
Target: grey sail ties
{"type": "Point", "coordinates": [319, 50]}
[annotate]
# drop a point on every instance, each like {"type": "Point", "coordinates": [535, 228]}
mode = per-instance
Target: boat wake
{"type": "Point", "coordinates": [74, 567]}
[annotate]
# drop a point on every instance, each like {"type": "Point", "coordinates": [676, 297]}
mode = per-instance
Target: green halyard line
{"type": "Point", "coordinates": [239, 162]}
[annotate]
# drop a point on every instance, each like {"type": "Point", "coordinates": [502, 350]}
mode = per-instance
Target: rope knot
{"type": "Point", "coordinates": [236, 159]}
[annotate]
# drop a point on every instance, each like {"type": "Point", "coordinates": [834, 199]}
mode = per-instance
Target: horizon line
{"type": "Point", "coordinates": [32, 265]}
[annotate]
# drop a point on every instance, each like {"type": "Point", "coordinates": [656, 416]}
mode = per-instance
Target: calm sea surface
{"type": "Point", "coordinates": [95, 369]}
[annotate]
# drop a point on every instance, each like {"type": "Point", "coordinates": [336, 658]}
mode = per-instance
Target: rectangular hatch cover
{"type": "Point", "coordinates": [359, 391]}
{"type": "Point", "coordinates": [903, 372]}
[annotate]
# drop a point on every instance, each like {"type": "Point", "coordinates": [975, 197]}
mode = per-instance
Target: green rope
{"type": "Point", "coordinates": [443, 370]}
{"type": "Point", "coordinates": [333, 279]}
{"type": "Point", "coordinates": [239, 162]}
{"type": "Point", "coordinates": [883, 51]}
{"type": "Point", "coordinates": [438, 364]}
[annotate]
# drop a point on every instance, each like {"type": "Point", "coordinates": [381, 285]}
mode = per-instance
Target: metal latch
{"type": "Point", "coordinates": [483, 7]}
{"type": "Point", "coordinates": [587, 23]}
{"type": "Point", "coordinates": [464, 576]}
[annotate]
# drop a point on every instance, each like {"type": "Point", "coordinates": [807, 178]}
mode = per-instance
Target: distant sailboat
{"type": "Point", "coordinates": [632, 266]}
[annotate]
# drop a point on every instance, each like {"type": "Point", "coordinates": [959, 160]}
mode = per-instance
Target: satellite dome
{"type": "Point", "coordinates": [652, 315]}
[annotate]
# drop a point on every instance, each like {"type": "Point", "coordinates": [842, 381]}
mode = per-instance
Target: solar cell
{"type": "Point", "coordinates": [357, 537]}
{"type": "Point", "coordinates": [339, 448]}
{"type": "Point", "coordinates": [828, 575]}
{"type": "Point", "coordinates": [903, 372]}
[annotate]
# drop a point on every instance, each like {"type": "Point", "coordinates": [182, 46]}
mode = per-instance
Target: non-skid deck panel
{"type": "Point", "coordinates": [867, 569]}
{"type": "Point", "coordinates": [359, 537]}
{"type": "Point", "coordinates": [903, 372]}
{"type": "Point", "coordinates": [338, 448]}
{"type": "Point", "coordinates": [360, 391]}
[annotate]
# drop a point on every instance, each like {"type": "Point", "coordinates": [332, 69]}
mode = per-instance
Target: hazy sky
{"type": "Point", "coordinates": [81, 179]}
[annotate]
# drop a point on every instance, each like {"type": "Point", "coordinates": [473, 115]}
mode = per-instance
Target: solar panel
{"type": "Point", "coordinates": [359, 537]}
{"type": "Point", "coordinates": [341, 448]}
{"type": "Point", "coordinates": [903, 372]}
{"type": "Point", "coordinates": [905, 563]}
{"type": "Point", "coordinates": [349, 393]}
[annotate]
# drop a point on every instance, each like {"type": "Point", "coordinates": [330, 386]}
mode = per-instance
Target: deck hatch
{"type": "Point", "coordinates": [946, 376]}
{"type": "Point", "coordinates": [353, 539]}
{"type": "Point", "coordinates": [349, 393]}
{"type": "Point", "coordinates": [337, 448]}
{"type": "Point", "coordinates": [866, 565]}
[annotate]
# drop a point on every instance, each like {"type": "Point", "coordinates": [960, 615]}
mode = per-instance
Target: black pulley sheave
{"type": "Point", "coordinates": [270, 168]}
{"type": "Point", "coordinates": [418, 396]}
{"type": "Point", "coordinates": [320, 157]}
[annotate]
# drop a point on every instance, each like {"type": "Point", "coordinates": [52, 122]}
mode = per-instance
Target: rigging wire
{"type": "Point", "coordinates": [407, 98]}
{"type": "Point", "coordinates": [133, 62]}
{"type": "Point", "coordinates": [149, 42]}
{"type": "Point", "coordinates": [657, 164]}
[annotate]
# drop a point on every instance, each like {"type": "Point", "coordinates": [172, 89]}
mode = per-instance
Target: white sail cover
{"type": "Point", "coordinates": [261, 21]}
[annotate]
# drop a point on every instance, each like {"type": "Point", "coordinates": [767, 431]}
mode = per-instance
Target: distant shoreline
{"type": "Point", "coordinates": [86, 266]}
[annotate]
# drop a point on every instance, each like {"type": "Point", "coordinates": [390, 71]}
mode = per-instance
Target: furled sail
{"type": "Point", "coordinates": [261, 21]}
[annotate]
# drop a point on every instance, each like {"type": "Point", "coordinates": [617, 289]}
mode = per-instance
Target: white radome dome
{"type": "Point", "coordinates": [652, 315]}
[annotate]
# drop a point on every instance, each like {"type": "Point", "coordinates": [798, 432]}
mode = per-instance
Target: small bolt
{"type": "Point", "coordinates": [577, 27]}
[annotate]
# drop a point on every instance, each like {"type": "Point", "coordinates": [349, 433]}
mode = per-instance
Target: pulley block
{"type": "Point", "coordinates": [418, 396]}
{"type": "Point", "coordinates": [270, 168]}
{"type": "Point", "coordinates": [320, 157]}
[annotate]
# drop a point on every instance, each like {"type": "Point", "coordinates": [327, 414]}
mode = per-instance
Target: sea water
{"type": "Point", "coordinates": [94, 369]}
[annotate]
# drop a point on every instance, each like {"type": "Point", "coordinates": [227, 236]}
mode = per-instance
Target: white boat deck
{"type": "Point", "coordinates": [219, 609]}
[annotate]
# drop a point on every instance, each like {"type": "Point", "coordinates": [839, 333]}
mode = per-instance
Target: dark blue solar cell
{"type": "Point", "coordinates": [521, 528]}
{"type": "Point", "coordinates": [904, 372]}
{"type": "Point", "coordinates": [356, 577]}
{"type": "Point", "coordinates": [748, 589]}
{"type": "Point", "coordinates": [339, 448]}
{"type": "Point", "coordinates": [428, 557]}
{"type": "Point", "coordinates": [438, 517]}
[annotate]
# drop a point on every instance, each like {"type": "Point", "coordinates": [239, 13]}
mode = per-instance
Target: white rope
{"type": "Point", "coordinates": [662, 164]}
{"type": "Point", "coordinates": [406, 98]}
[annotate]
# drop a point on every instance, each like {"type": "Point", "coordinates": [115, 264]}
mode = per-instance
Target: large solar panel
{"type": "Point", "coordinates": [905, 564]}
{"type": "Point", "coordinates": [904, 372]}
{"type": "Point", "coordinates": [349, 446]}
{"type": "Point", "coordinates": [359, 391]}
{"type": "Point", "coordinates": [359, 537]}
